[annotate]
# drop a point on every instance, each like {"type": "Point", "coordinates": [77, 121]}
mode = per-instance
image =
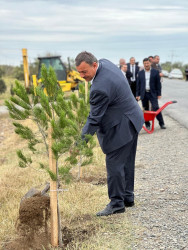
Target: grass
{"type": "Point", "coordinates": [78, 206]}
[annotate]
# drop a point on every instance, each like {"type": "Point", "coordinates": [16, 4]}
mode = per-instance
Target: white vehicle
{"type": "Point", "coordinates": [175, 73]}
{"type": "Point", "coordinates": [165, 73]}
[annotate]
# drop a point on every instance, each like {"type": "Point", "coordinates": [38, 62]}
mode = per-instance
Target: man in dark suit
{"type": "Point", "coordinates": [126, 73]}
{"type": "Point", "coordinates": [134, 69]}
{"type": "Point", "coordinates": [117, 119]}
{"type": "Point", "coordinates": [149, 89]}
{"type": "Point", "coordinates": [155, 65]}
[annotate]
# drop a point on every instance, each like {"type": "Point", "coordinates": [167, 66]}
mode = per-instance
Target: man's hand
{"type": "Point", "coordinates": [138, 98]}
{"type": "Point", "coordinates": [159, 97]}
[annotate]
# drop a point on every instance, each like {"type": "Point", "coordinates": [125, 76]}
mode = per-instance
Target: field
{"type": "Point", "coordinates": [80, 201]}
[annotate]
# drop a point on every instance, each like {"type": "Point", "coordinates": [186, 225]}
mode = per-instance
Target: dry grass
{"type": "Point", "coordinates": [81, 228]}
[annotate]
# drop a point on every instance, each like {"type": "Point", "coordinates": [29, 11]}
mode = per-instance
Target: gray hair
{"type": "Point", "coordinates": [85, 57]}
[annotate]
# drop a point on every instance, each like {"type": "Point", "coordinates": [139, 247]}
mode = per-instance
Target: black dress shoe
{"type": "Point", "coordinates": [110, 210]}
{"type": "Point", "coordinates": [162, 126]}
{"type": "Point", "coordinates": [129, 204]}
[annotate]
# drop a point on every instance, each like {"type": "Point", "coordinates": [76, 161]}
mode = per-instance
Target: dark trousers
{"type": "Point", "coordinates": [120, 166]}
{"type": "Point", "coordinates": [133, 88]}
{"type": "Point", "coordinates": [155, 106]}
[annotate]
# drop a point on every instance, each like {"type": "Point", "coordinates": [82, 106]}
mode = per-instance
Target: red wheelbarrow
{"type": "Point", "coordinates": [150, 116]}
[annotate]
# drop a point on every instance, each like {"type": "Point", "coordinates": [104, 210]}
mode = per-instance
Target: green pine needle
{"type": "Point", "coordinates": [53, 176]}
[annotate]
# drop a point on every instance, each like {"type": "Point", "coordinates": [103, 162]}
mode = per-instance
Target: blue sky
{"type": "Point", "coordinates": [109, 29]}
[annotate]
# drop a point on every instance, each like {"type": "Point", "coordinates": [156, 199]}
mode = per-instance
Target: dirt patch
{"type": "Point", "coordinates": [79, 230]}
{"type": "Point", "coordinates": [32, 224]}
{"type": "Point", "coordinates": [94, 180]}
{"type": "Point", "coordinates": [72, 237]}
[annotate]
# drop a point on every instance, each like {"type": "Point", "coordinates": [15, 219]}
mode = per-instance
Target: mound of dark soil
{"type": "Point", "coordinates": [32, 225]}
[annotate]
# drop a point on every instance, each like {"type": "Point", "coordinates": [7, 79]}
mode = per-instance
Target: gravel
{"type": "Point", "coordinates": [160, 216]}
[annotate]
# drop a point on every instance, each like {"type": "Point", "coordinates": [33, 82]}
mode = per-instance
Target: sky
{"type": "Point", "coordinates": [111, 29]}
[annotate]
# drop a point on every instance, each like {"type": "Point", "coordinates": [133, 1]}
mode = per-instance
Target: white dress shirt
{"type": "Point", "coordinates": [124, 73]}
{"type": "Point", "coordinates": [147, 77]}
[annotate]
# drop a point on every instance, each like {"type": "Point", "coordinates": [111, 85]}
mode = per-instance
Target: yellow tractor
{"type": "Point", "coordinates": [68, 79]}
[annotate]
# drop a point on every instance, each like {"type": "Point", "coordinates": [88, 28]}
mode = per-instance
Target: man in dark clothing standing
{"type": "Point", "coordinates": [155, 65]}
{"type": "Point", "coordinates": [149, 89]}
{"type": "Point", "coordinates": [134, 69]}
{"type": "Point", "coordinates": [117, 119]}
{"type": "Point", "coordinates": [126, 73]}
{"type": "Point", "coordinates": [186, 74]}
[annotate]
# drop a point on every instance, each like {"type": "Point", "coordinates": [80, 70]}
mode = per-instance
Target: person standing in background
{"type": "Point", "coordinates": [155, 65]}
{"type": "Point", "coordinates": [121, 62]}
{"type": "Point", "coordinates": [150, 59]}
{"type": "Point", "coordinates": [134, 69]}
{"type": "Point", "coordinates": [149, 89]}
{"type": "Point", "coordinates": [126, 73]}
{"type": "Point", "coordinates": [186, 74]}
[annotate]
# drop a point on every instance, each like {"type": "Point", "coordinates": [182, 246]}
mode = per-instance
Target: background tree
{"type": "Point", "coordinates": [169, 66]}
{"type": "Point", "coordinates": [19, 72]}
{"type": "Point", "coordinates": [2, 82]}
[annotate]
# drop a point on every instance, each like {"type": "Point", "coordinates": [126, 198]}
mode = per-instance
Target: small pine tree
{"type": "Point", "coordinates": [65, 116]}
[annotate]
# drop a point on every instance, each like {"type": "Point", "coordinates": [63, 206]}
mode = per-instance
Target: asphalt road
{"type": "Point", "coordinates": [173, 89]}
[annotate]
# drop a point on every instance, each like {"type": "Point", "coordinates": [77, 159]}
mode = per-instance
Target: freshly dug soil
{"type": "Point", "coordinates": [32, 224]}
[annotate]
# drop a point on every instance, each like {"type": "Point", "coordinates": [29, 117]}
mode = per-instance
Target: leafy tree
{"type": "Point", "coordinates": [7, 70]}
{"type": "Point", "coordinates": [70, 64]}
{"type": "Point", "coordinates": [65, 116]}
{"type": "Point", "coordinates": [33, 67]}
{"type": "Point", "coordinates": [1, 72]}
{"type": "Point", "coordinates": [2, 86]}
{"type": "Point", "coordinates": [169, 66]}
{"type": "Point", "coordinates": [19, 72]}
{"type": "Point", "coordinates": [2, 83]}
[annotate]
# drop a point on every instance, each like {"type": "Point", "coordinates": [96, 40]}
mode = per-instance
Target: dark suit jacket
{"type": "Point", "coordinates": [129, 75]}
{"type": "Point", "coordinates": [136, 70]}
{"type": "Point", "coordinates": [112, 108]}
{"type": "Point", "coordinates": [155, 84]}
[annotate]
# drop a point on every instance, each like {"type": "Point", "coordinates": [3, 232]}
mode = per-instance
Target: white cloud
{"type": "Point", "coordinates": [88, 22]}
{"type": "Point", "coordinates": [106, 21]}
